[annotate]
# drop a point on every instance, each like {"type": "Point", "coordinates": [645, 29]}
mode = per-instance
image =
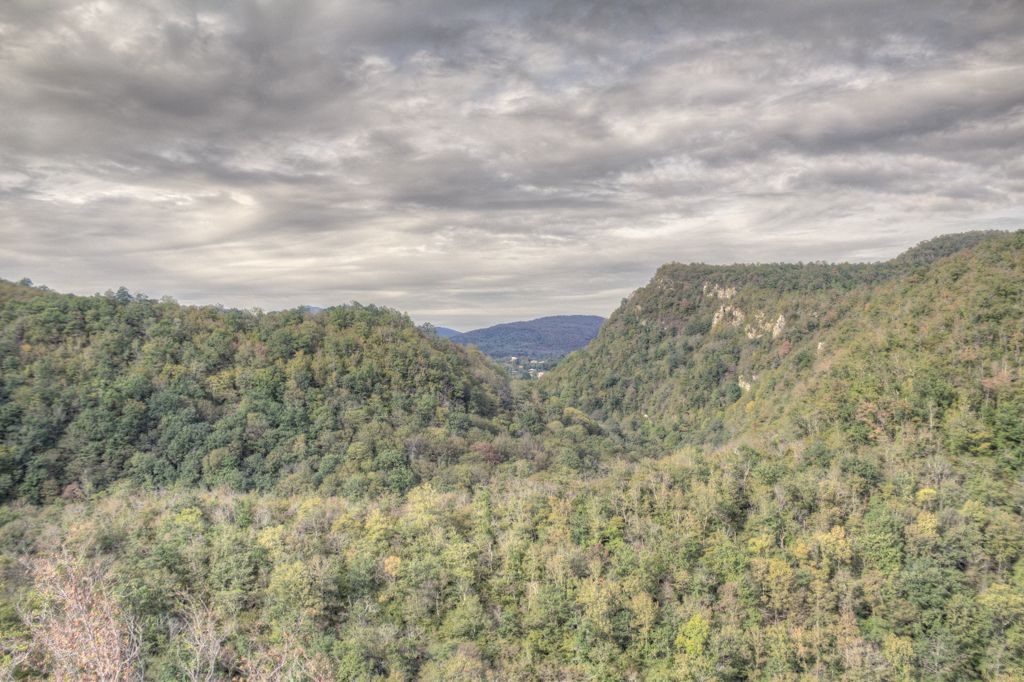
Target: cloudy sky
{"type": "Point", "coordinates": [476, 162]}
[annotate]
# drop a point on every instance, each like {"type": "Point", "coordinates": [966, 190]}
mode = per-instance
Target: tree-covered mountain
{"type": "Point", "coordinates": [773, 472]}
{"type": "Point", "coordinates": [683, 359]}
{"type": "Point", "coordinates": [545, 337]}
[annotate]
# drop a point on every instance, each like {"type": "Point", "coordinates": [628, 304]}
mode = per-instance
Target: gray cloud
{"type": "Point", "coordinates": [481, 162]}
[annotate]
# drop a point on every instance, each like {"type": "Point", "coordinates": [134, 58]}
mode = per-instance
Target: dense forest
{"type": "Point", "coordinates": [754, 472]}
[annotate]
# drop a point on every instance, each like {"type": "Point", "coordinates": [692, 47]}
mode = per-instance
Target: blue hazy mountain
{"type": "Point", "coordinates": [545, 337]}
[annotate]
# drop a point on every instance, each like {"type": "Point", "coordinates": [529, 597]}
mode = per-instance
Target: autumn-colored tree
{"type": "Point", "coordinates": [77, 624]}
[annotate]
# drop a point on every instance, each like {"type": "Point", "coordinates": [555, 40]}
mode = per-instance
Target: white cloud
{"type": "Point", "coordinates": [474, 163]}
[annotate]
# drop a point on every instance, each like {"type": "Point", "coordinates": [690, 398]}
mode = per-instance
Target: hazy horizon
{"type": "Point", "coordinates": [475, 315]}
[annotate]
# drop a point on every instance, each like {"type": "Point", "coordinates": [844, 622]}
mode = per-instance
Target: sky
{"type": "Point", "coordinates": [479, 162]}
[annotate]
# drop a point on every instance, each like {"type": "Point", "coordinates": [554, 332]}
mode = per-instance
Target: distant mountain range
{"type": "Point", "coordinates": [545, 337]}
{"type": "Point", "coordinates": [446, 333]}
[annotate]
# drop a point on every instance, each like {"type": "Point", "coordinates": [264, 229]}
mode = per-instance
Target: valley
{"type": "Point", "coordinates": [783, 471]}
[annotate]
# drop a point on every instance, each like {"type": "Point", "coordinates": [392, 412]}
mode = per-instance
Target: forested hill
{"type": "Point", "coordinates": [704, 353]}
{"type": "Point", "coordinates": [545, 337]}
{"type": "Point", "coordinates": [95, 389]}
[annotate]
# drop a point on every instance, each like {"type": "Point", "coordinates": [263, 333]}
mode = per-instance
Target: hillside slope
{"type": "Point", "coordinates": [676, 359]}
{"type": "Point", "coordinates": [95, 389]}
{"type": "Point", "coordinates": [933, 356]}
